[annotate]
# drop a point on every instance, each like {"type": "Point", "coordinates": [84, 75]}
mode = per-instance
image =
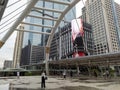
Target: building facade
{"type": "Point", "coordinates": [18, 47]}
{"type": "Point", "coordinates": [31, 54]}
{"type": "Point", "coordinates": [40, 40]}
{"type": "Point", "coordinates": [62, 45]}
{"type": "Point", "coordinates": [7, 64]}
{"type": "Point", "coordinates": [101, 14]}
{"type": "Point", "coordinates": [117, 7]}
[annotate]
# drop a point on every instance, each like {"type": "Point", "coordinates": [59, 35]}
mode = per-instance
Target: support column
{"type": "Point", "coordinates": [89, 68]}
{"type": "Point", "coordinates": [46, 60]}
{"type": "Point", "coordinates": [78, 71]}
{"type": "Point", "coordinates": [101, 71]}
{"type": "Point", "coordinates": [60, 45]}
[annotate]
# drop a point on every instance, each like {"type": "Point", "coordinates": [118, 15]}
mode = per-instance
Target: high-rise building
{"type": "Point", "coordinates": [31, 54]}
{"type": "Point", "coordinates": [40, 39]}
{"type": "Point", "coordinates": [18, 47]}
{"type": "Point", "coordinates": [117, 7]}
{"type": "Point", "coordinates": [102, 15]}
{"type": "Point", "coordinates": [62, 45]}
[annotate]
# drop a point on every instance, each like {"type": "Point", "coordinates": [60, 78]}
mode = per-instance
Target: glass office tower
{"type": "Point", "coordinates": [34, 38]}
{"type": "Point", "coordinates": [39, 40]}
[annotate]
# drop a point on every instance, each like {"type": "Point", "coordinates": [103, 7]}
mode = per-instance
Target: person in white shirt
{"type": "Point", "coordinates": [64, 74]}
{"type": "Point", "coordinates": [18, 75]}
{"type": "Point", "coordinates": [43, 77]}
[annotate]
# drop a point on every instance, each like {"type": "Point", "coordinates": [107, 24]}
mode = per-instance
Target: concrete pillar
{"type": "Point", "coordinates": [78, 71]}
{"type": "Point", "coordinates": [118, 70]}
{"type": "Point", "coordinates": [46, 60]}
{"type": "Point", "coordinates": [89, 68]}
{"type": "Point", "coordinates": [60, 47]}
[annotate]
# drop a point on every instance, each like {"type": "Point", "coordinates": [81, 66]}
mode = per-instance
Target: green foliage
{"type": "Point", "coordinates": [111, 72]}
{"type": "Point", "coordinates": [96, 71]}
{"type": "Point", "coordinates": [28, 73]}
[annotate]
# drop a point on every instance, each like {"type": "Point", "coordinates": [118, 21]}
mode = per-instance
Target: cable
{"type": "Point", "coordinates": [13, 3]}
{"type": "Point", "coordinates": [44, 13]}
{"type": "Point", "coordinates": [4, 30]}
{"type": "Point", "coordinates": [8, 23]}
{"type": "Point", "coordinates": [49, 15]}
{"type": "Point", "coordinates": [15, 10]}
{"type": "Point", "coordinates": [10, 18]}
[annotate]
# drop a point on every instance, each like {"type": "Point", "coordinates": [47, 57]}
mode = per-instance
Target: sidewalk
{"type": "Point", "coordinates": [56, 83]}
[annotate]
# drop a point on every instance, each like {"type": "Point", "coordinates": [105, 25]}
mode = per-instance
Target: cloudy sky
{"type": "Point", "coordinates": [6, 52]}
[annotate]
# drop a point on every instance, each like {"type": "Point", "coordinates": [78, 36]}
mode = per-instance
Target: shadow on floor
{"type": "Point", "coordinates": [62, 88]}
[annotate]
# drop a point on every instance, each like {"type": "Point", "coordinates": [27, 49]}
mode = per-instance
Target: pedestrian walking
{"type": "Point", "coordinates": [43, 78]}
{"type": "Point", "coordinates": [71, 74]}
{"type": "Point", "coordinates": [64, 74]}
{"type": "Point", "coordinates": [18, 74]}
{"type": "Point", "coordinates": [95, 74]}
{"type": "Point", "coordinates": [107, 74]}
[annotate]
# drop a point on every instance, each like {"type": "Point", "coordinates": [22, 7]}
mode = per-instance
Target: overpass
{"type": "Point", "coordinates": [102, 60]}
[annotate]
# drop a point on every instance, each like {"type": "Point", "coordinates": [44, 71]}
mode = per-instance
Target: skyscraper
{"type": "Point", "coordinates": [102, 15]}
{"type": "Point", "coordinates": [117, 7]}
{"type": "Point", "coordinates": [18, 46]}
{"type": "Point", "coordinates": [40, 39]}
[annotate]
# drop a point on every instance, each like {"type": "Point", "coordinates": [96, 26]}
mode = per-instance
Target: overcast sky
{"type": "Point", "coordinates": [6, 52]}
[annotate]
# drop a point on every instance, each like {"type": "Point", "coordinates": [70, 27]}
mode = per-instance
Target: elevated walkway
{"type": "Point", "coordinates": [99, 60]}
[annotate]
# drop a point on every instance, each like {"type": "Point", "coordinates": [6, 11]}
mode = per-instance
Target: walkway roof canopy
{"type": "Point", "coordinates": [93, 60]}
{"type": "Point", "coordinates": [31, 5]}
{"type": "Point", "coordinates": [102, 59]}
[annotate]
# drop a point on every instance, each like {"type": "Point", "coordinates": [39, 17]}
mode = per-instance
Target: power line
{"type": "Point", "coordinates": [12, 16]}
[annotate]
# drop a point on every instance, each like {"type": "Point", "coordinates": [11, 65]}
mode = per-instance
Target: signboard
{"type": "Point", "coordinates": [77, 37]}
{"type": "Point", "coordinates": [77, 28]}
